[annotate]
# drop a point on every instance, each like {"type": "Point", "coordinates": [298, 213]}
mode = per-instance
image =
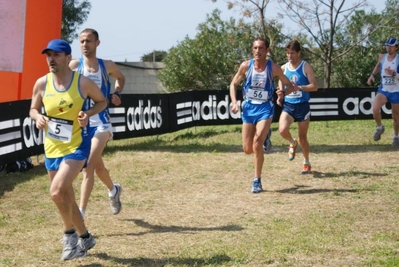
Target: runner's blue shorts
{"type": "Point", "coordinates": [254, 113]}
{"type": "Point", "coordinates": [393, 98]}
{"type": "Point", "coordinates": [300, 111]}
{"type": "Point", "coordinates": [53, 164]}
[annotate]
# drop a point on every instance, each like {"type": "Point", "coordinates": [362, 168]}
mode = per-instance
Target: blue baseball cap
{"type": "Point", "coordinates": [58, 45]}
{"type": "Point", "coordinates": [391, 42]}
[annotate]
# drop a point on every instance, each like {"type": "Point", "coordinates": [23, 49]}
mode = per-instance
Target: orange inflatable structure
{"type": "Point", "coordinates": [25, 31]}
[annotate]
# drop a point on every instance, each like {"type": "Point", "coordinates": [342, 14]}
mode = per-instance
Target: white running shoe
{"type": "Point", "coordinates": [86, 243]}
{"type": "Point", "coordinates": [378, 132]}
{"type": "Point", "coordinates": [115, 201]}
{"type": "Point", "coordinates": [71, 249]}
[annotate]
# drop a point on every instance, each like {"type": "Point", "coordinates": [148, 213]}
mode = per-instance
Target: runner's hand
{"type": "Point", "coordinates": [234, 108]}
{"type": "Point", "coordinates": [116, 99]}
{"type": "Point", "coordinates": [83, 119]}
{"type": "Point", "coordinates": [41, 121]}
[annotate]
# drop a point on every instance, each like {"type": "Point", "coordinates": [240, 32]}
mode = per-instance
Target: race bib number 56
{"type": "Point", "coordinates": [260, 94]}
{"type": "Point", "coordinates": [59, 129]}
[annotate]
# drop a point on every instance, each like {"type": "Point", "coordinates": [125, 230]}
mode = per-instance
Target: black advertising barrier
{"type": "Point", "coordinates": [345, 104]}
{"type": "Point", "coordinates": [140, 115]}
{"type": "Point", "coordinates": [153, 114]}
{"type": "Point", "coordinates": [200, 108]}
{"type": "Point", "coordinates": [19, 137]}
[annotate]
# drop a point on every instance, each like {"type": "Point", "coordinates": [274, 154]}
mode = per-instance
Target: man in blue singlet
{"type": "Point", "coordinates": [63, 93]}
{"type": "Point", "coordinates": [99, 71]}
{"type": "Point", "coordinates": [388, 91]}
{"type": "Point", "coordinates": [257, 107]}
{"type": "Point", "coordinates": [296, 105]}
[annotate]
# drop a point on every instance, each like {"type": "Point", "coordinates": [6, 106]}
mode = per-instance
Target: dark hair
{"type": "Point", "coordinates": [266, 42]}
{"type": "Point", "coordinates": [93, 31]}
{"type": "Point", "coordinates": [293, 45]}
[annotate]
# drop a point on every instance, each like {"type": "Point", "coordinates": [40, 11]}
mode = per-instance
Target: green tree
{"type": "Point", "coordinates": [353, 68]}
{"type": "Point", "coordinates": [209, 60]}
{"type": "Point", "coordinates": [155, 56]}
{"type": "Point", "coordinates": [269, 28]}
{"type": "Point", "coordinates": [74, 14]}
{"type": "Point", "coordinates": [322, 21]}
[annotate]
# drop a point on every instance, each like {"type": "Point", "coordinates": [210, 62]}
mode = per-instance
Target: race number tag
{"type": "Point", "coordinates": [59, 129]}
{"type": "Point", "coordinates": [257, 94]}
{"type": "Point", "coordinates": [388, 80]}
{"type": "Point", "coordinates": [295, 94]}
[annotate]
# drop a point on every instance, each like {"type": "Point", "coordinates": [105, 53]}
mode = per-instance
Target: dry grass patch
{"type": "Point", "coordinates": [187, 202]}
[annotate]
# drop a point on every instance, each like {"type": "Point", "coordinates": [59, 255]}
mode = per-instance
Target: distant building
{"type": "Point", "coordinates": [141, 77]}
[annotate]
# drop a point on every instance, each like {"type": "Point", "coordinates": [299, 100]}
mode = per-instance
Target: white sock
{"type": "Point", "coordinates": [112, 192]}
{"type": "Point", "coordinates": [379, 127]}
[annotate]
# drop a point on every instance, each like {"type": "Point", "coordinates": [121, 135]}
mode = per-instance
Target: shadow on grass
{"type": "Point", "coordinates": [358, 174]}
{"type": "Point", "coordinates": [197, 144]}
{"type": "Point", "coordinates": [218, 259]}
{"type": "Point", "coordinates": [192, 140]}
{"type": "Point", "coordinates": [10, 180]}
{"type": "Point", "coordinates": [189, 135]}
{"type": "Point", "coordinates": [177, 229]}
{"type": "Point", "coordinates": [350, 149]}
{"type": "Point", "coordinates": [299, 189]}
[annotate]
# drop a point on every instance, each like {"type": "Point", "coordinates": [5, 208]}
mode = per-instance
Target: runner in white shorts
{"type": "Point", "coordinates": [388, 90]}
{"type": "Point", "coordinates": [99, 71]}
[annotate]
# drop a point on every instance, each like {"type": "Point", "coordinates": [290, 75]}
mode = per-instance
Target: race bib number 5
{"type": "Point", "coordinates": [59, 129]}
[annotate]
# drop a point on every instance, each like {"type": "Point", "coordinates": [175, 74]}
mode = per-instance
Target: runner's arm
{"type": "Point", "coordinates": [376, 69]}
{"type": "Point", "coordinates": [237, 79]}
{"type": "Point", "coordinates": [37, 104]}
{"type": "Point", "coordinates": [284, 83]}
{"type": "Point", "coordinates": [312, 86]}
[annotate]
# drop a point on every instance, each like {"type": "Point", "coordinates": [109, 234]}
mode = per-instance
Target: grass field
{"type": "Point", "coordinates": [187, 202]}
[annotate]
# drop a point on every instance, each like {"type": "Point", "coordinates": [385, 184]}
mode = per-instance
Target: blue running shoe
{"type": "Point", "coordinates": [257, 186]}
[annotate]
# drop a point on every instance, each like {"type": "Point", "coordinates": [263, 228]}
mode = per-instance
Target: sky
{"type": "Point", "coordinates": [128, 29]}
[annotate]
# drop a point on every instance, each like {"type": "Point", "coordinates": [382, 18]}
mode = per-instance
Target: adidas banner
{"type": "Point", "coordinates": [154, 114]}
